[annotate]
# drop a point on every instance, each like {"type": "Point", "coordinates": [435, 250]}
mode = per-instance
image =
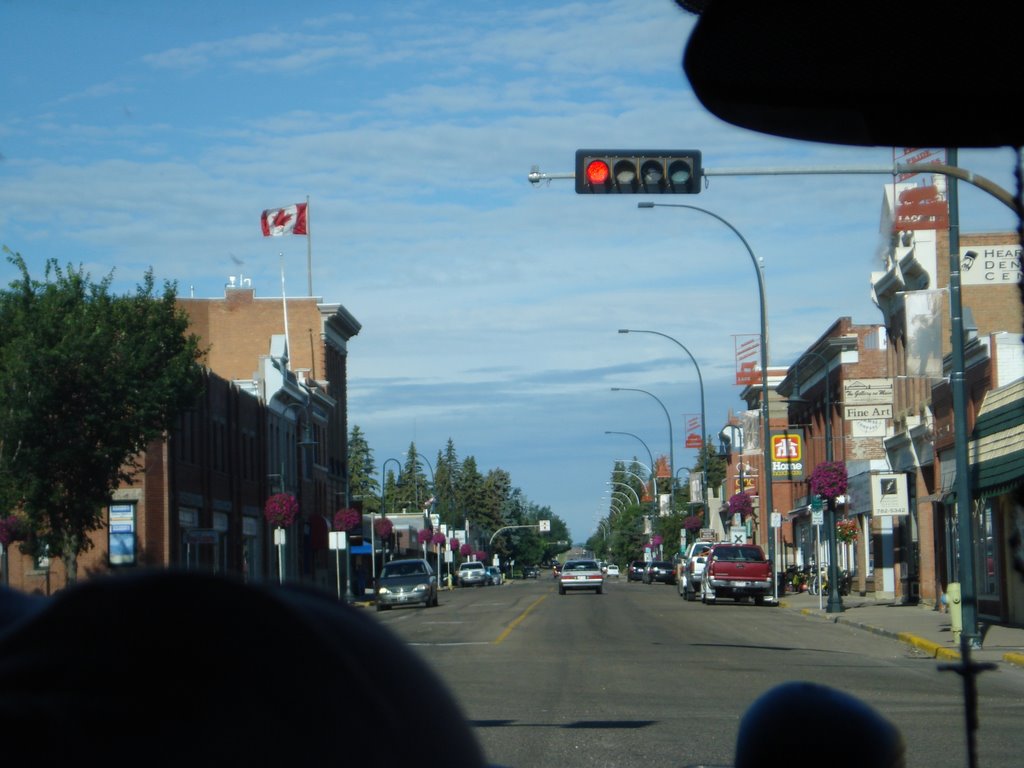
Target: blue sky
{"type": "Point", "coordinates": [151, 134]}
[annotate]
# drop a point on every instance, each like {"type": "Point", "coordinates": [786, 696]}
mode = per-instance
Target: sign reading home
{"type": "Point", "coordinates": [788, 455]}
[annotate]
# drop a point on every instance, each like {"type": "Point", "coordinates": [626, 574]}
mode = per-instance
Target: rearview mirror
{"type": "Point", "coordinates": [914, 74]}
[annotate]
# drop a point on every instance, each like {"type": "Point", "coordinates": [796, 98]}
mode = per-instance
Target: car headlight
{"type": "Point", "coordinates": [420, 587]}
{"type": "Point", "coordinates": [383, 591]}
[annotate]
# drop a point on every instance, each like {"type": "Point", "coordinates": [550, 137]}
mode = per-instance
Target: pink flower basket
{"type": "Point", "coordinates": [347, 519]}
{"type": "Point", "coordinates": [281, 510]}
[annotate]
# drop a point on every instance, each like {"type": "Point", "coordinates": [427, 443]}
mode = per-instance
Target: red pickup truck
{"type": "Point", "coordinates": [738, 571]}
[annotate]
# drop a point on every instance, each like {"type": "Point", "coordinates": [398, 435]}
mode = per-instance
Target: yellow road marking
{"type": "Point", "coordinates": [523, 615]}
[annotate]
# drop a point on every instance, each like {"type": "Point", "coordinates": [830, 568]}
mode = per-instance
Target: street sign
{"type": "Point", "coordinates": [817, 517]}
{"type": "Point", "coordinates": [776, 519]}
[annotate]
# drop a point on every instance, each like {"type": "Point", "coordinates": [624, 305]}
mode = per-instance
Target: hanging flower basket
{"type": "Point", "coordinates": [828, 479]}
{"type": "Point", "coordinates": [438, 539]}
{"type": "Point", "coordinates": [480, 556]}
{"type": "Point", "coordinates": [424, 535]}
{"type": "Point", "coordinates": [383, 528]}
{"type": "Point", "coordinates": [847, 531]}
{"type": "Point", "coordinates": [281, 510]}
{"type": "Point", "coordinates": [656, 541]}
{"type": "Point", "coordinates": [12, 528]}
{"type": "Point", "coordinates": [453, 544]}
{"type": "Point", "coordinates": [693, 522]}
{"type": "Point", "coordinates": [347, 519]}
{"type": "Point", "coordinates": [466, 550]}
{"type": "Point", "coordinates": [742, 504]}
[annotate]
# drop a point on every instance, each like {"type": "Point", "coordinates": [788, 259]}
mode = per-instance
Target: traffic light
{"type": "Point", "coordinates": [638, 171]}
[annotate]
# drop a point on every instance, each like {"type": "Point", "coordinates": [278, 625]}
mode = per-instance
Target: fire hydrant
{"type": "Point", "coordinates": [956, 618]}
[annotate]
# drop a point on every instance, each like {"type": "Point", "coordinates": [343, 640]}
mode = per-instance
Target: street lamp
{"type": "Point", "coordinates": [654, 486]}
{"type": "Point", "coordinates": [703, 427]}
{"type": "Point", "coordinates": [835, 598]}
{"type": "Point", "coordinates": [766, 428]}
{"type": "Point", "coordinates": [628, 487]}
{"type": "Point", "coordinates": [671, 453]}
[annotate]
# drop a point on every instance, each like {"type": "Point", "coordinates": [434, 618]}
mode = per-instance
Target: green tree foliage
{"type": "Point", "coordinates": [87, 380]}
{"type": "Point", "coordinates": [362, 482]}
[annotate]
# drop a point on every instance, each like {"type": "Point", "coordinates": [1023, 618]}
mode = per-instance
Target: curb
{"type": "Point", "coordinates": [930, 647]}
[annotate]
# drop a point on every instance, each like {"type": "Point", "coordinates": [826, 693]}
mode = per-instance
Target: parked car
{"type": "Point", "coordinates": [738, 571]}
{"type": "Point", "coordinates": [612, 571]}
{"type": "Point", "coordinates": [662, 571]}
{"type": "Point", "coordinates": [406, 582]}
{"type": "Point", "coordinates": [635, 570]}
{"type": "Point", "coordinates": [494, 575]}
{"type": "Point", "coordinates": [580, 574]}
{"type": "Point", "coordinates": [531, 572]}
{"type": "Point", "coordinates": [690, 569]}
{"type": "Point", "coordinates": [472, 574]}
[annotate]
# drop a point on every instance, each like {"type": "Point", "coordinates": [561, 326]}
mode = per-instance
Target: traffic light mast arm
{"type": "Point", "coordinates": [535, 175]}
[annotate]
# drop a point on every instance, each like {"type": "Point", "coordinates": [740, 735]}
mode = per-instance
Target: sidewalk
{"type": "Point", "coordinates": [917, 625]}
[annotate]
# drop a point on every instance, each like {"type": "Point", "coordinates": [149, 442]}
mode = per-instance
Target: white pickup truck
{"type": "Point", "coordinates": [690, 569]}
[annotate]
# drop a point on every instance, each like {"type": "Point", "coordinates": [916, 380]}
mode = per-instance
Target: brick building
{"type": "Point", "coordinates": [272, 418]}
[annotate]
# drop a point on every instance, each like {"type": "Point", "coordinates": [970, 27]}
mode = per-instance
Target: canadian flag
{"type": "Point", "coordinates": [290, 220]}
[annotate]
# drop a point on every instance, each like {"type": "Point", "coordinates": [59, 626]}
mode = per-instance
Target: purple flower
{"type": "Point", "coordinates": [281, 510]}
{"type": "Point", "coordinates": [347, 519]}
{"type": "Point", "coordinates": [465, 550]}
{"type": "Point", "coordinates": [424, 535]}
{"type": "Point", "coordinates": [693, 522]}
{"type": "Point", "coordinates": [741, 503]}
{"type": "Point", "coordinates": [439, 539]}
{"type": "Point", "coordinates": [828, 479]}
{"type": "Point", "coordinates": [383, 527]}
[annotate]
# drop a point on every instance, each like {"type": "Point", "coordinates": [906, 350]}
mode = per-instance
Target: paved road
{"type": "Point", "coordinates": [638, 677]}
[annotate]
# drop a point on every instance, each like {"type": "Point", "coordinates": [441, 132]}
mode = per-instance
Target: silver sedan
{"type": "Point", "coordinates": [581, 574]}
{"type": "Point", "coordinates": [406, 582]}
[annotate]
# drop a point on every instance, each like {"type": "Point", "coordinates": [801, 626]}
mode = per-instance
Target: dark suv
{"type": "Point", "coordinates": [636, 569]}
{"type": "Point", "coordinates": [661, 571]}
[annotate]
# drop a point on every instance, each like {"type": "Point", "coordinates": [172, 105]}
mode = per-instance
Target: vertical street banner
{"type": "Point", "coordinates": [748, 355]}
{"type": "Point", "coordinates": [694, 438]}
{"type": "Point", "coordinates": [924, 332]}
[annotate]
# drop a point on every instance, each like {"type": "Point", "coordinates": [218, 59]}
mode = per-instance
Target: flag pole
{"type": "Point", "coordinates": [284, 303]}
{"type": "Point", "coordinates": [309, 250]}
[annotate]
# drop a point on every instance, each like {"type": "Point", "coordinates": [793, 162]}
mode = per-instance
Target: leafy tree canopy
{"type": "Point", "coordinates": [87, 380]}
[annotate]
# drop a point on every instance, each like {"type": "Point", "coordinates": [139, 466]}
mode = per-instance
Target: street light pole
{"type": "Point", "coordinates": [835, 598]}
{"type": "Point", "coordinates": [765, 426]}
{"type": "Point", "coordinates": [654, 484]}
{"type": "Point", "coordinates": [703, 423]}
{"type": "Point", "coordinates": [671, 452]}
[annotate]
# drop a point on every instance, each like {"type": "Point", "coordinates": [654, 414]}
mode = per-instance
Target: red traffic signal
{"type": "Point", "coordinates": [638, 171]}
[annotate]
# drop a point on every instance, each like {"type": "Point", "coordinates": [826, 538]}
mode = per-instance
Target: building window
{"type": "Point", "coordinates": [986, 552]}
{"type": "Point", "coordinates": [121, 534]}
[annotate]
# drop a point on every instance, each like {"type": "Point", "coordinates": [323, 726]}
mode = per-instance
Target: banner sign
{"type": "Point", "coordinates": [748, 351]}
{"type": "Point", "coordinates": [924, 332]}
{"type": "Point", "coordinates": [889, 495]}
{"type": "Point", "coordinates": [694, 439]}
{"type": "Point", "coordinates": [788, 455]}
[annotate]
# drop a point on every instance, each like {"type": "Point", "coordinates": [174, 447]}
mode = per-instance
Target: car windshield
{"type": "Point", "coordinates": [403, 371]}
{"type": "Point", "coordinates": [581, 565]}
{"type": "Point", "coordinates": [393, 570]}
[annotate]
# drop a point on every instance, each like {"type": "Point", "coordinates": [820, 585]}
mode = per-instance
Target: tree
{"type": "Point", "coordinates": [87, 381]}
{"type": "Point", "coordinates": [362, 485]}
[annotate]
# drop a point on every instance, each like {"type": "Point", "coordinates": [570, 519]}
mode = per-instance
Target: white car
{"type": "Point", "coordinates": [580, 574]}
{"type": "Point", "coordinates": [613, 571]}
